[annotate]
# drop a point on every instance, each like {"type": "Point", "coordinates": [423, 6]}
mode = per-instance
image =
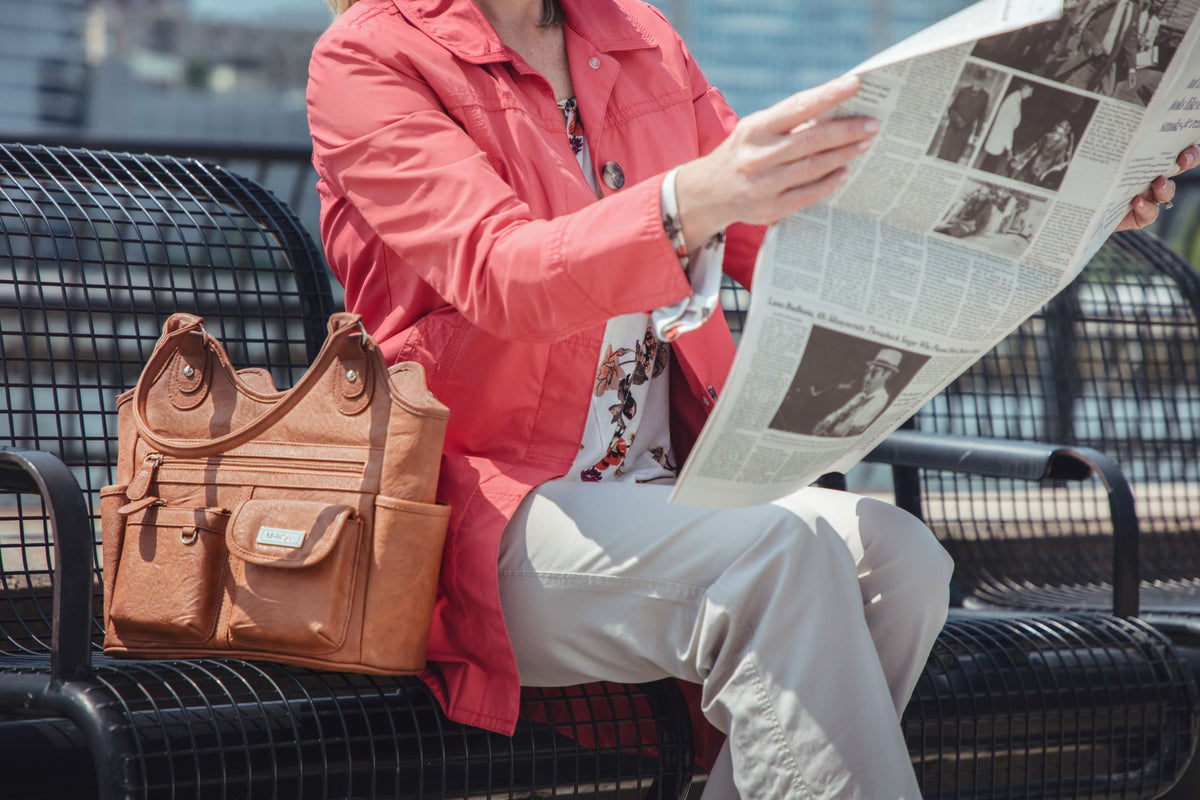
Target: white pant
{"type": "Point", "coordinates": [807, 622]}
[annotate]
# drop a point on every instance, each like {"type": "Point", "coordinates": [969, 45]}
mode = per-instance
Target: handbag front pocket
{"type": "Point", "coordinates": [169, 577]}
{"type": "Point", "coordinates": [295, 572]}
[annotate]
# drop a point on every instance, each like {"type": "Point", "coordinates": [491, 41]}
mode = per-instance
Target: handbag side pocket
{"type": "Point", "coordinates": [168, 574]}
{"type": "Point", "coordinates": [295, 567]}
{"type": "Point", "coordinates": [112, 536]}
{"type": "Point", "coordinates": [406, 558]}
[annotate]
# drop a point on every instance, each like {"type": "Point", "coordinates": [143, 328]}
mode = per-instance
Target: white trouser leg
{"type": "Point", "coordinates": [719, 785]}
{"type": "Point", "coordinates": [807, 621]}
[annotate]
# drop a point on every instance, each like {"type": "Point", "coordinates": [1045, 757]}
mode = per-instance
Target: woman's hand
{"type": "Point", "coordinates": [1144, 208]}
{"type": "Point", "coordinates": [774, 162]}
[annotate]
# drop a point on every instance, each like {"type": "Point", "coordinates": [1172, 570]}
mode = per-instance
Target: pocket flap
{"type": "Point", "coordinates": [288, 534]}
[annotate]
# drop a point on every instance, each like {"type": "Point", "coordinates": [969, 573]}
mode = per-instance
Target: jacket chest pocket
{"type": "Point", "coordinates": [531, 153]}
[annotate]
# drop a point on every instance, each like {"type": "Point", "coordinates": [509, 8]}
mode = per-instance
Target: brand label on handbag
{"type": "Point", "coordinates": [283, 537]}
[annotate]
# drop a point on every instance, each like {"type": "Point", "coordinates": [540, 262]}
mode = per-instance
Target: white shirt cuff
{"type": "Point", "coordinates": [703, 270]}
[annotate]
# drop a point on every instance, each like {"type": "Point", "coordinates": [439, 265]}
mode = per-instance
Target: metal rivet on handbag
{"type": "Point", "coordinates": [297, 526]}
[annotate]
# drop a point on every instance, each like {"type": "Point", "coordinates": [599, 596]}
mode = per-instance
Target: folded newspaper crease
{"type": "Point", "coordinates": [1004, 162]}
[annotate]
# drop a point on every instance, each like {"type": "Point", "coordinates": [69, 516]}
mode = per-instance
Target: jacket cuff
{"type": "Point", "coordinates": [637, 272]}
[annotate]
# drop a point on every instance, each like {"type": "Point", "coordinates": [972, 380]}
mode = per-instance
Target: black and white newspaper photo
{"type": "Point", "coordinates": [1115, 48]}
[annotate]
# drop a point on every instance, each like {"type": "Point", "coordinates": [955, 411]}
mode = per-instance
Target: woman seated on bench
{"type": "Point", "coordinates": [535, 199]}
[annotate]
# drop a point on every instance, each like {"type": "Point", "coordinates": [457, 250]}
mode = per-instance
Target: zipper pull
{"type": "Point", "coordinates": [140, 485]}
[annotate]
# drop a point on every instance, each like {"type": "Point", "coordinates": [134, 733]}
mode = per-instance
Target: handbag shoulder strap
{"type": "Point", "coordinates": [342, 327]}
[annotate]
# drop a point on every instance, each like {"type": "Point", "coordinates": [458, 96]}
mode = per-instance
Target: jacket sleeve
{"type": "Point", "coordinates": [383, 141]}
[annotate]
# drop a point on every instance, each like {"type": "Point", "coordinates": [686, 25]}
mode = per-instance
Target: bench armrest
{"type": "Point", "coordinates": [1031, 461]}
{"type": "Point", "coordinates": [39, 472]}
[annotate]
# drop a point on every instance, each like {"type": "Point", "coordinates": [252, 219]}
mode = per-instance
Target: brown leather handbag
{"type": "Point", "coordinates": [296, 526]}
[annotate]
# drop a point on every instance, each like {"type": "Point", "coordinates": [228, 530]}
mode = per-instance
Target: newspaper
{"type": "Point", "coordinates": [1014, 136]}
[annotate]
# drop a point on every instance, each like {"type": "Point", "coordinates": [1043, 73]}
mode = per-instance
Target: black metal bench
{"type": "Point", "coordinates": [95, 251]}
{"type": "Point", "coordinates": [1112, 364]}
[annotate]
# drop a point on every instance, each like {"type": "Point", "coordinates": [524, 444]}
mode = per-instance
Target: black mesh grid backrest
{"type": "Point", "coordinates": [1112, 363]}
{"type": "Point", "coordinates": [96, 250]}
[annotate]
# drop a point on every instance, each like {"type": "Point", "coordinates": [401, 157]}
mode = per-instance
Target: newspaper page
{"type": "Point", "coordinates": [1003, 163]}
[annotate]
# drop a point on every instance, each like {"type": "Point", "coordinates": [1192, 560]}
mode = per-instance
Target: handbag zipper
{"type": "Point", "coordinates": [153, 462]}
{"type": "Point", "coordinates": [274, 463]}
{"type": "Point", "coordinates": [285, 463]}
{"type": "Point", "coordinates": [139, 485]}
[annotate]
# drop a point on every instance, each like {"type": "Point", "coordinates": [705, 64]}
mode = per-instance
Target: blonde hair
{"type": "Point", "coordinates": [551, 10]}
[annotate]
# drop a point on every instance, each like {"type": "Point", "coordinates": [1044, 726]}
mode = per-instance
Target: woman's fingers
{"type": "Point", "coordinates": [816, 147]}
{"type": "Point", "coordinates": [1161, 190]}
{"type": "Point", "coordinates": [828, 135]}
{"type": "Point", "coordinates": [790, 113]}
{"type": "Point", "coordinates": [1144, 209]}
{"type": "Point", "coordinates": [1142, 212]}
{"type": "Point", "coordinates": [816, 166]}
{"type": "Point", "coordinates": [1189, 158]}
{"type": "Point", "coordinates": [805, 194]}
{"type": "Point", "coordinates": [772, 161]}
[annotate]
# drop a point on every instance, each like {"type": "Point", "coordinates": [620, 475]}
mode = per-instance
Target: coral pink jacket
{"type": "Point", "coordinates": [456, 217]}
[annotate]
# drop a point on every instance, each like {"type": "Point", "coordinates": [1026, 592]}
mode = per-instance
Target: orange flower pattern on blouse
{"type": "Point", "coordinates": [617, 374]}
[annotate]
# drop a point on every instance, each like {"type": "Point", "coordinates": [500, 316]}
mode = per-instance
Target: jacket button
{"type": "Point", "coordinates": [613, 175]}
{"type": "Point", "coordinates": [594, 63]}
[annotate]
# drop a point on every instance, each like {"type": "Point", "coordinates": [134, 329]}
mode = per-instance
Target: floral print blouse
{"type": "Point", "coordinates": [627, 435]}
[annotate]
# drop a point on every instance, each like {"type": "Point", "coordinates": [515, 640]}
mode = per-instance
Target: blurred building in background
{"type": "Point", "coordinates": [760, 51]}
{"type": "Point", "coordinates": [160, 71]}
{"type": "Point", "coordinates": [234, 72]}
{"type": "Point", "coordinates": [43, 78]}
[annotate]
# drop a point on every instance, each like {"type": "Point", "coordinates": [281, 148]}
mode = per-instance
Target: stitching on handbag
{"type": "Point", "coordinates": [351, 405]}
{"type": "Point", "coordinates": [182, 397]}
{"type": "Point", "coordinates": [345, 623]}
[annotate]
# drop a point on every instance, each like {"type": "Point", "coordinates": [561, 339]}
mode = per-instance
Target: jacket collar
{"type": "Point", "coordinates": [460, 27]}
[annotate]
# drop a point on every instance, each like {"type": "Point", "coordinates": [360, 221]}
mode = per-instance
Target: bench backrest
{"type": "Point", "coordinates": [96, 251]}
{"type": "Point", "coordinates": [1112, 363]}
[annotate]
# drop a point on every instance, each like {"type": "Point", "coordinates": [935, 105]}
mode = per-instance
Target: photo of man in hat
{"type": "Point", "coordinates": [857, 413]}
{"type": "Point", "coordinates": [843, 383]}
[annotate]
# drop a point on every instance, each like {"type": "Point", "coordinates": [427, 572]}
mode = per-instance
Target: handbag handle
{"type": "Point", "coordinates": [341, 327]}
